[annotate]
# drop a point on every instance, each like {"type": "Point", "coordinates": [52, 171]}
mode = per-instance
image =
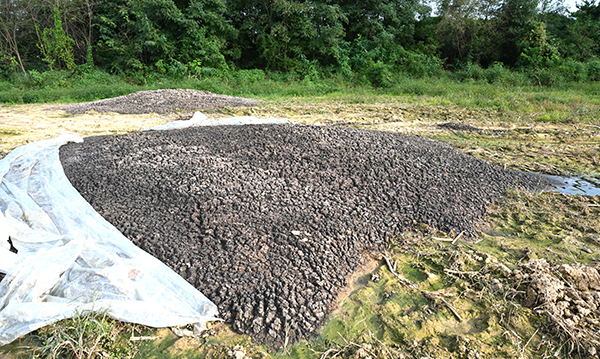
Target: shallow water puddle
{"type": "Point", "coordinates": [585, 186]}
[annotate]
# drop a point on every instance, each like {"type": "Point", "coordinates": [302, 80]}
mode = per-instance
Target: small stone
{"type": "Point", "coordinates": [238, 352]}
{"type": "Point", "coordinates": [587, 250]}
{"type": "Point", "coordinates": [388, 295]}
{"type": "Point", "coordinates": [375, 277]}
{"type": "Point", "coordinates": [592, 351]}
{"type": "Point", "coordinates": [364, 351]}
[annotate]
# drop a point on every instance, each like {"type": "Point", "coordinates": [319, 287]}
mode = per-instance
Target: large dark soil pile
{"type": "Point", "coordinates": [269, 220]}
{"type": "Point", "coordinates": [159, 101]}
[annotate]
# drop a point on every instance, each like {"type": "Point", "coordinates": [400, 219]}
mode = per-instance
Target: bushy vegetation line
{"type": "Point", "coordinates": [510, 41]}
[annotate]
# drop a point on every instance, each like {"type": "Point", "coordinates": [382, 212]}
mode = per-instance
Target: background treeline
{"type": "Point", "coordinates": [374, 40]}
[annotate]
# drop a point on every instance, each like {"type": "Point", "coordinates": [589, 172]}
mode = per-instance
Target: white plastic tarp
{"type": "Point", "coordinates": [7, 258]}
{"type": "Point", "coordinates": [71, 260]}
{"type": "Point", "coordinates": [200, 119]}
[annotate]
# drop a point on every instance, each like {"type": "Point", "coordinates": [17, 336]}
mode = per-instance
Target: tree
{"type": "Point", "coordinates": [278, 34]}
{"type": "Point", "coordinates": [538, 50]}
{"type": "Point", "coordinates": [468, 31]}
{"type": "Point", "coordinates": [517, 19]}
{"type": "Point", "coordinates": [13, 18]}
{"type": "Point", "coordinates": [581, 39]}
{"type": "Point", "coordinates": [369, 18]}
{"type": "Point", "coordinates": [56, 46]}
{"type": "Point", "coordinates": [166, 35]}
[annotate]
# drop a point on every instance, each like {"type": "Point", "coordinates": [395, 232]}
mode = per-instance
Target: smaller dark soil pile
{"type": "Point", "coordinates": [269, 220]}
{"type": "Point", "coordinates": [459, 127]}
{"type": "Point", "coordinates": [159, 101]}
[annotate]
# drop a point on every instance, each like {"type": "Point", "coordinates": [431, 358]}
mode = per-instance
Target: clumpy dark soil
{"type": "Point", "coordinates": [458, 127]}
{"type": "Point", "coordinates": [159, 101]}
{"type": "Point", "coordinates": [269, 220]}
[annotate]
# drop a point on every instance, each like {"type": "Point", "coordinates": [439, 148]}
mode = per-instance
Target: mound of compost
{"type": "Point", "coordinates": [159, 101]}
{"type": "Point", "coordinates": [269, 220]}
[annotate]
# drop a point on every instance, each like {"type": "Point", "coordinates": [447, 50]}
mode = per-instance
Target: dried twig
{"type": "Point", "coordinates": [433, 296]}
{"type": "Point", "coordinates": [452, 271]}
{"type": "Point", "coordinates": [457, 237]}
{"type": "Point", "coordinates": [341, 336]}
{"type": "Point", "coordinates": [583, 124]}
{"type": "Point", "coordinates": [137, 339]}
{"type": "Point", "coordinates": [392, 268]}
{"type": "Point", "coordinates": [326, 354]}
{"type": "Point", "coordinates": [449, 240]}
{"type": "Point", "coordinates": [526, 344]}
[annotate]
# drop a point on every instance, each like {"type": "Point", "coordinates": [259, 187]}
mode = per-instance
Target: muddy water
{"type": "Point", "coordinates": [585, 186]}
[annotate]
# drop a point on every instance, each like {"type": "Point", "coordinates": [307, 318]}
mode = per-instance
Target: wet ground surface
{"type": "Point", "coordinates": [585, 186]}
{"type": "Point", "coordinates": [268, 221]}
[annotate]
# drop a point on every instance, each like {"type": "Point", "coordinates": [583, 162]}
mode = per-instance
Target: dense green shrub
{"type": "Point", "coordinates": [380, 74]}
{"type": "Point", "coordinates": [593, 70]}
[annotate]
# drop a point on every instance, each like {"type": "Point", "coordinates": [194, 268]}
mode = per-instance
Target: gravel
{"type": "Point", "coordinates": [159, 101]}
{"type": "Point", "coordinates": [268, 221]}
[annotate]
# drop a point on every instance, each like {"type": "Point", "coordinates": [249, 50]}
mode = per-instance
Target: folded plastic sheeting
{"type": "Point", "coordinates": [200, 119]}
{"type": "Point", "coordinates": [70, 260]}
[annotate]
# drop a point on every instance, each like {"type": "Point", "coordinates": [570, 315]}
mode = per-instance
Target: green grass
{"type": "Point", "coordinates": [557, 104]}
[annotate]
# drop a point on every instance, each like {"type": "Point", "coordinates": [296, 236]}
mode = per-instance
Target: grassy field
{"type": "Point", "coordinates": [431, 295]}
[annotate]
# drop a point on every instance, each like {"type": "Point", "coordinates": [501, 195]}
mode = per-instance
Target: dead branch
{"type": "Point", "coordinates": [457, 237]}
{"type": "Point", "coordinates": [136, 339]}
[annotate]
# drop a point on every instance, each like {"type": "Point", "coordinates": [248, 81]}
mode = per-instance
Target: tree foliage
{"type": "Point", "coordinates": [162, 35]}
{"type": "Point", "coordinates": [56, 45]}
{"type": "Point", "coordinates": [370, 40]}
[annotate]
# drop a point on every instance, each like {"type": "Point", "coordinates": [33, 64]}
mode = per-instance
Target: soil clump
{"type": "Point", "coordinates": [568, 295]}
{"type": "Point", "coordinates": [159, 101]}
{"type": "Point", "coordinates": [268, 221]}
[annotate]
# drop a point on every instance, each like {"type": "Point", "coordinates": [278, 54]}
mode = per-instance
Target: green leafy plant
{"type": "Point", "coordinates": [57, 46]}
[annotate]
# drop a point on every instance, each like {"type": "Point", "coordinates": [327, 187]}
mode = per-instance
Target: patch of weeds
{"type": "Point", "coordinates": [9, 132]}
{"type": "Point", "coordinates": [554, 150]}
{"type": "Point", "coordinates": [551, 225]}
{"type": "Point", "coordinates": [218, 342]}
{"type": "Point", "coordinates": [88, 334]}
{"type": "Point", "coordinates": [414, 306]}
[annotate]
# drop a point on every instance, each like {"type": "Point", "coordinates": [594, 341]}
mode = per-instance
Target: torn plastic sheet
{"type": "Point", "coordinates": [200, 119]}
{"type": "Point", "coordinates": [70, 260]}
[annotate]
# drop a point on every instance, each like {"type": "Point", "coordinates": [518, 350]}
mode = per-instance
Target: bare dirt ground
{"type": "Point", "coordinates": [21, 124]}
